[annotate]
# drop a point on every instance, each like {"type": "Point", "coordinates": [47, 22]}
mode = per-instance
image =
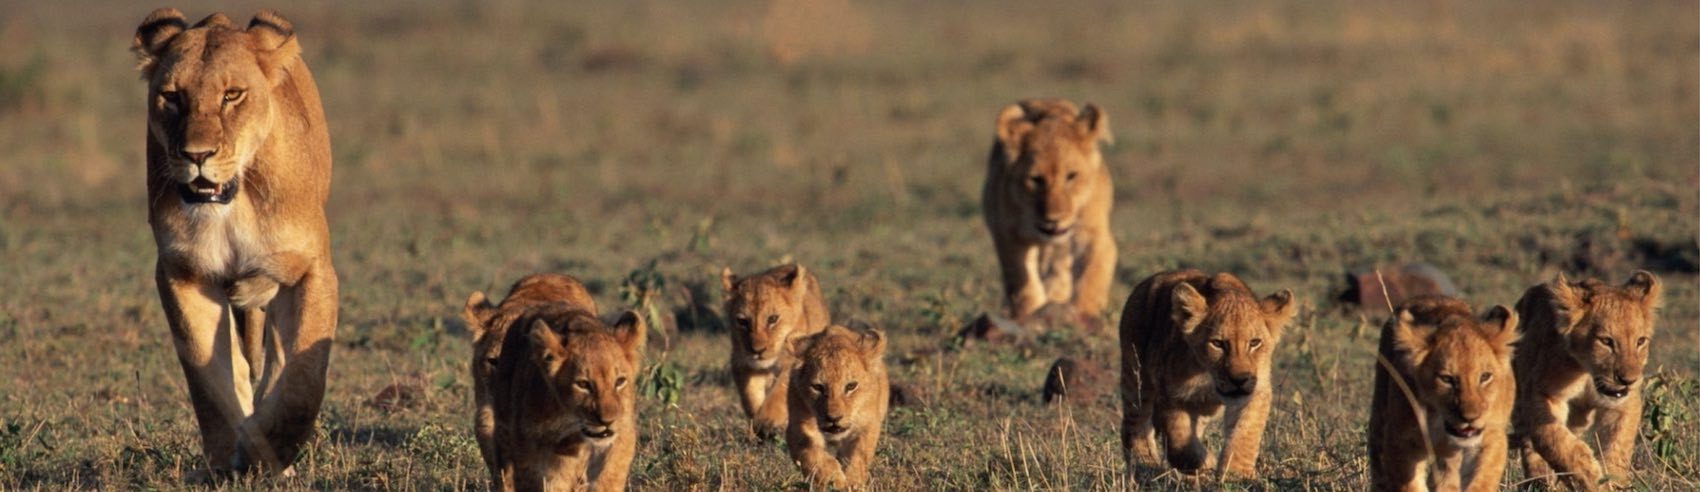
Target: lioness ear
{"type": "Point", "coordinates": [477, 314]}
{"type": "Point", "coordinates": [1012, 125]}
{"type": "Point", "coordinates": [153, 35]}
{"type": "Point", "coordinates": [1567, 304]}
{"type": "Point", "coordinates": [632, 332]}
{"type": "Point", "coordinates": [544, 341]}
{"type": "Point", "coordinates": [1093, 122]}
{"type": "Point", "coordinates": [1645, 284]}
{"type": "Point", "coordinates": [1408, 338]}
{"type": "Point", "coordinates": [872, 342]}
{"type": "Point", "coordinates": [1500, 325]}
{"type": "Point", "coordinates": [1188, 307]}
{"type": "Point", "coordinates": [274, 37]}
{"type": "Point", "coordinates": [1279, 308]}
{"type": "Point", "coordinates": [217, 19]}
{"type": "Point", "coordinates": [727, 280]}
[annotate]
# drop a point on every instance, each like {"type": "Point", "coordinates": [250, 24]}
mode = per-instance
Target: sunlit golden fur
{"type": "Point", "coordinates": [489, 325]}
{"type": "Point", "coordinates": [1047, 200]}
{"type": "Point", "coordinates": [1580, 367]}
{"type": "Point", "coordinates": [766, 312]}
{"type": "Point", "coordinates": [565, 393]}
{"type": "Point", "coordinates": [1458, 368]}
{"type": "Point", "coordinates": [838, 398]}
{"type": "Point", "coordinates": [1194, 345]}
{"type": "Point", "coordinates": [239, 168]}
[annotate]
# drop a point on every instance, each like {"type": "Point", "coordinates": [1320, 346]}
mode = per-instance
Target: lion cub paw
{"type": "Point", "coordinates": [252, 292]}
{"type": "Point", "coordinates": [767, 429]}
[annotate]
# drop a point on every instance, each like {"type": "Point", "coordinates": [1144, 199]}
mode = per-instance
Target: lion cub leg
{"type": "Point", "coordinates": [1488, 467]}
{"type": "Point", "coordinates": [1565, 452]}
{"type": "Point", "coordinates": [1182, 440]}
{"type": "Point", "coordinates": [1618, 428]}
{"type": "Point", "coordinates": [772, 416]}
{"type": "Point", "coordinates": [1448, 463]}
{"type": "Point", "coordinates": [1022, 282]}
{"type": "Point", "coordinates": [1244, 433]}
{"type": "Point", "coordinates": [855, 456]}
{"type": "Point", "coordinates": [821, 468]}
{"type": "Point", "coordinates": [1534, 467]}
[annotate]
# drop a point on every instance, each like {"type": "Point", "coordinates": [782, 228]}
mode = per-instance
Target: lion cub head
{"type": "Point", "coordinates": [840, 381]}
{"type": "Point", "coordinates": [1459, 364]}
{"type": "Point", "coordinates": [765, 310]}
{"type": "Point", "coordinates": [1607, 329]}
{"type": "Point", "coordinates": [590, 370]}
{"type": "Point", "coordinates": [211, 102]}
{"type": "Point", "coordinates": [1050, 152]}
{"type": "Point", "coordinates": [1232, 331]}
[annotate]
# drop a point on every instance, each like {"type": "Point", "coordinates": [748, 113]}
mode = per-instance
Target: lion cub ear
{"type": "Point", "coordinates": [477, 314]}
{"type": "Point", "coordinates": [1648, 287]}
{"type": "Point", "coordinates": [872, 342]}
{"type": "Point", "coordinates": [274, 38]}
{"type": "Point", "coordinates": [1094, 123]}
{"type": "Point", "coordinates": [1279, 309]}
{"type": "Point", "coordinates": [1410, 339]}
{"type": "Point", "coordinates": [727, 280]}
{"type": "Point", "coordinates": [545, 345]}
{"type": "Point", "coordinates": [1188, 307]}
{"type": "Point", "coordinates": [1013, 124]}
{"type": "Point", "coordinates": [1567, 306]}
{"type": "Point", "coordinates": [1500, 326]}
{"type": "Point", "coordinates": [153, 35]}
{"type": "Point", "coordinates": [632, 332]}
{"type": "Point", "coordinates": [795, 280]}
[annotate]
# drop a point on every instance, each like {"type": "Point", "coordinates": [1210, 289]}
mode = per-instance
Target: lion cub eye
{"type": "Point", "coordinates": [1486, 376]}
{"type": "Point", "coordinates": [1449, 380]}
{"type": "Point", "coordinates": [818, 388]}
{"type": "Point", "coordinates": [849, 387]}
{"type": "Point", "coordinates": [1641, 342]}
{"type": "Point", "coordinates": [582, 384]}
{"type": "Point", "coordinates": [490, 361]}
{"type": "Point", "coordinates": [1038, 181]}
{"type": "Point", "coordinates": [1220, 344]}
{"type": "Point", "coordinates": [772, 319]}
{"type": "Point", "coordinates": [1609, 343]}
{"type": "Point", "coordinates": [743, 321]}
{"type": "Point", "coordinates": [1256, 342]}
{"type": "Point", "coordinates": [233, 95]}
{"type": "Point", "coordinates": [620, 382]}
{"type": "Point", "coordinates": [1072, 174]}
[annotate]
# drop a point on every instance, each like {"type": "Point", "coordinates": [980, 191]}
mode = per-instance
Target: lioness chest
{"type": "Point", "coordinates": [217, 242]}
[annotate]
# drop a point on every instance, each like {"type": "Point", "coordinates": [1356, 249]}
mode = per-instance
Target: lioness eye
{"type": "Point", "coordinates": [1486, 376]}
{"type": "Point", "coordinates": [170, 98]}
{"type": "Point", "coordinates": [1256, 342]}
{"type": "Point", "coordinates": [620, 383]}
{"type": "Point", "coordinates": [233, 94]}
{"type": "Point", "coordinates": [771, 319]}
{"type": "Point", "coordinates": [850, 387]}
{"type": "Point", "coordinates": [1072, 174]}
{"type": "Point", "coordinates": [817, 388]}
{"type": "Point", "coordinates": [582, 384]}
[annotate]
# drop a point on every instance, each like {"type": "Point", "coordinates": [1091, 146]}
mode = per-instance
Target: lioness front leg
{"type": "Point", "coordinates": [1618, 428]}
{"type": "Point", "coordinates": [1244, 433]}
{"type": "Point", "coordinates": [304, 318]}
{"type": "Point", "coordinates": [203, 333]}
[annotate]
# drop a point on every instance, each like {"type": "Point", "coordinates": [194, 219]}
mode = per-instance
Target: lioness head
{"type": "Point", "coordinates": [1608, 329]}
{"type": "Point", "coordinates": [835, 366]}
{"type": "Point", "coordinates": [765, 310]}
{"type": "Point", "coordinates": [211, 102]}
{"type": "Point", "coordinates": [1458, 364]}
{"type": "Point", "coordinates": [1050, 151]}
{"type": "Point", "coordinates": [591, 369]}
{"type": "Point", "coordinates": [1231, 330]}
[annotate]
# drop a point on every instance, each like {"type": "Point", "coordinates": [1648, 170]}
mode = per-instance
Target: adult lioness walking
{"type": "Point", "coordinates": [239, 167]}
{"type": "Point", "coordinates": [1047, 203]}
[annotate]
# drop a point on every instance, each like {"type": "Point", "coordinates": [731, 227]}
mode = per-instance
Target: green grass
{"type": "Point", "coordinates": [1502, 142]}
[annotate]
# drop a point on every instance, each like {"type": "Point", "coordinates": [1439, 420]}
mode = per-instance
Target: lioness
{"type": "Point", "coordinates": [838, 399]}
{"type": "Point", "coordinates": [566, 400]}
{"type": "Point", "coordinates": [1047, 202]}
{"type": "Point", "coordinates": [489, 326]}
{"type": "Point", "coordinates": [1584, 350]}
{"type": "Point", "coordinates": [1191, 345]}
{"type": "Point", "coordinates": [767, 311]}
{"type": "Point", "coordinates": [1457, 367]}
{"type": "Point", "coordinates": [239, 167]}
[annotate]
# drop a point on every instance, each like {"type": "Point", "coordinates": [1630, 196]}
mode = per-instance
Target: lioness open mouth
{"type": "Point", "coordinates": [202, 190]}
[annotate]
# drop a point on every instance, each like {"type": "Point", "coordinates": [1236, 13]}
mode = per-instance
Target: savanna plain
{"type": "Point", "coordinates": [642, 146]}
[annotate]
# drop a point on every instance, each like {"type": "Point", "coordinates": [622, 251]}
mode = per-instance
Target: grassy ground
{"type": "Point", "coordinates": [480, 141]}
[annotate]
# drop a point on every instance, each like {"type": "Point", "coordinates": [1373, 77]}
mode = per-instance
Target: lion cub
{"type": "Point", "coordinates": [1047, 201]}
{"type": "Point", "coordinates": [566, 400]}
{"type": "Point", "coordinates": [1584, 351]}
{"type": "Point", "coordinates": [767, 311]}
{"type": "Point", "coordinates": [1458, 369]}
{"type": "Point", "coordinates": [489, 326]}
{"type": "Point", "coordinates": [838, 398]}
{"type": "Point", "coordinates": [1191, 345]}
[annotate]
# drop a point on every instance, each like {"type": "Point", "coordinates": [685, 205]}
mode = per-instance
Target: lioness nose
{"type": "Point", "coordinates": [198, 156]}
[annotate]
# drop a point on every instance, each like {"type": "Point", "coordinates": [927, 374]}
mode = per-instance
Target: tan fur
{"type": "Point", "coordinates": [839, 381]}
{"type": "Point", "coordinates": [1583, 339]}
{"type": "Point", "coordinates": [247, 285]}
{"type": "Point", "coordinates": [1045, 167]}
{"type": "Point", "coordinates": [489, 325]}
{"type": "Point", "coordinates": [565, 393]}
{"type": "Point", "coordinates": [766, 312]}
{"type": "Point", "coordinates": [1194, 345]}
{"type": "Point", "coordinates": [1459, 368]}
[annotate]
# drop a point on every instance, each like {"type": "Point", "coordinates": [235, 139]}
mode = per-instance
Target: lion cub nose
{"type": "Point", "coordinates": [1246, 382]}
